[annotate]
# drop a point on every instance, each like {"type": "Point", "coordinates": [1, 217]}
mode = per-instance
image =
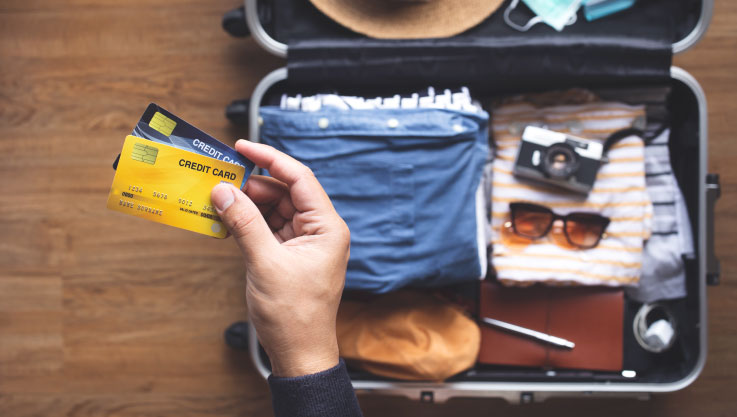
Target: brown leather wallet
{"type": "Point", "coordinates": [591, 317]}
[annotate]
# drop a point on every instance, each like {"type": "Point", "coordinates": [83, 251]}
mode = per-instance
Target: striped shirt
{"type": "Point", "coordinates": [619, 193]}
{"type": "Point", "coordinates": [663, 270]}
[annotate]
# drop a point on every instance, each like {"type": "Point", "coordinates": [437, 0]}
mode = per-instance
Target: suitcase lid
{"type": "Point", "coordinates": [491, 55]}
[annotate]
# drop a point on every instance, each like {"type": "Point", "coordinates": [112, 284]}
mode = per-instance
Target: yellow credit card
{"type": "Point", "coordinates": [170, 185]}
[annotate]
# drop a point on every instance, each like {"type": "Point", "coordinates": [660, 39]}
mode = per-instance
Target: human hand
{"type": "Point", "coordinates": [296, 249]}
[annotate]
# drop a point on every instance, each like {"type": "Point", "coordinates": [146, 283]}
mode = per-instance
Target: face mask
{"type": "Point", "coordinates": [556, 13]}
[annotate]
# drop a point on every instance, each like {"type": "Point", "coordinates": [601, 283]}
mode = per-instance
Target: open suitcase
{"type": "Point", "coordinates": [633, 48]}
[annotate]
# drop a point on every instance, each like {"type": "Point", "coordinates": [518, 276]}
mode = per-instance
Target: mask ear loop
{"type": "Point", "coordinates": [530, 23]}
{"type": "Point", "coordinates": [522, 28]}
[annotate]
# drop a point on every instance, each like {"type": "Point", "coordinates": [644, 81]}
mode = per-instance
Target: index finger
{"type": "Point", "coordinates": [304, 189]}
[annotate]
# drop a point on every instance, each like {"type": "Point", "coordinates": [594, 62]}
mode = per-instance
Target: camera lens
{"type": "Point", "coordinates": [560, 161]}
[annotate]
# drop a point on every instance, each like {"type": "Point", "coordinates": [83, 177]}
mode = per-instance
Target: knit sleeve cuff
{"type": "Point", "coordinates": [326, 393]}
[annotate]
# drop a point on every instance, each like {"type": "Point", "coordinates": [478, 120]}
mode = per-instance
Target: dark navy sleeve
{"type": "Point", "coordinates": [327, 394]}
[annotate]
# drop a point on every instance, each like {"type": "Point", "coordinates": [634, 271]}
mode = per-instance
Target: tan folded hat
{"type": "Point", "coordinates": [408, 19]}
{"type": "Point", "coordinates": [407, 335]}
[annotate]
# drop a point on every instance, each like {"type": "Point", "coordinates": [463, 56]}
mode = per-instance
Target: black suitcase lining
{"type": "Point", "coordinates": [322, 50]}
{"type": "Point", "coordinates": [668, 21]}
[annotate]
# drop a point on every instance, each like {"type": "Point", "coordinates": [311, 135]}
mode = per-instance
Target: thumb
{"type": "Point", "coordinates": [243, 220]}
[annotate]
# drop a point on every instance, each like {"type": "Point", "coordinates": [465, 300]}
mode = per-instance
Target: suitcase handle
{"type": "Point", "coordinates": [713, 192]}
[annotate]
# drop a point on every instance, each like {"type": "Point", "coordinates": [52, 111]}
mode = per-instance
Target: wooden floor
{"type": "Point", "coordinates": [102, 315]}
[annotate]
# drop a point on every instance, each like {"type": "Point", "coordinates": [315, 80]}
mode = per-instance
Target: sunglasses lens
{"type": "Point", "coordinates": [585, 230]}
{"type": "Point", "coordinates": [531, 221]}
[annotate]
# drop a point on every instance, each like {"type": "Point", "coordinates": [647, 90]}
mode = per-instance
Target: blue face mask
{"type": "Point", "coordinates": [556, 13]}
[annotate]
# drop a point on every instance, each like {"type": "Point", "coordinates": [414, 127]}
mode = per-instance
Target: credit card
{"type": "Point", "coordinates": [169, 185]}
{"type": "Point", "coordinates": [161, 126]}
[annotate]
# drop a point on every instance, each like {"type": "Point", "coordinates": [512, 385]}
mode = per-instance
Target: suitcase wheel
{"type": "Point", "coordinates": [234, 22]}
{"type": "Point", "coordinates": [237, 111]}
{"type": "Point", "coordinates": [236, 335]}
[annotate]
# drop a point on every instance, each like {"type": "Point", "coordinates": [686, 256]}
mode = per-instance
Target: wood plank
{"type": "Point", "coordinates": [248, 403]}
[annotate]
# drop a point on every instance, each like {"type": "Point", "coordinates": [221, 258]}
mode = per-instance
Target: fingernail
{"type": "Point", "coordinates": [222, 196]}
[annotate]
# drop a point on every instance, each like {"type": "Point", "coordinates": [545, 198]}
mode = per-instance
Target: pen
{"type": "Point", "coordinates": [543, 337]}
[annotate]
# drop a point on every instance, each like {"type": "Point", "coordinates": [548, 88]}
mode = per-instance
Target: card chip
{"type": "Point", "coordinates": [162, 124]}
{"type": "Point", "coordinates": [144, 153]}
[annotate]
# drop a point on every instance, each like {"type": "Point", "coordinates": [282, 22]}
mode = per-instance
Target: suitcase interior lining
{"type": "Point", "coordinates": [320, 50]}
{"type": "Point", "coordinates": [666, 20]}
{"type": "Point", "coordinates": [671, 366]}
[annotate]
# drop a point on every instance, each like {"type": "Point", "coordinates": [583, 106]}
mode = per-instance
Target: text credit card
{"type": "Point", "coordinates": [161, 126]}
{"type": "Point", "coordinates": [169, 185]}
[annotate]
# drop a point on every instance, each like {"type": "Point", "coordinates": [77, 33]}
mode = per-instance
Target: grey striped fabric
{"type": "Point", "coordinates": [663, 273]}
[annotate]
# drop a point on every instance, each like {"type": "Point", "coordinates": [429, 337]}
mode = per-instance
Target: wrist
{"type": "Point", "coordinates": [304, 361]}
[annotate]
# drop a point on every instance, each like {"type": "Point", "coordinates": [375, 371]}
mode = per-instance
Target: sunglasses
{"type": "Point", "coordinates": [582, 230]}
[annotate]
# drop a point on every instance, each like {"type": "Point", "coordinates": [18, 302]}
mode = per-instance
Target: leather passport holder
{"type": "Point", "coordinates": [590, 317]}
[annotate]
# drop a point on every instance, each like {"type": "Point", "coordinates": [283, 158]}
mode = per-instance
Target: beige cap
{"type": "Point", "coordinates": [407, 335]}
{"type": "Point", "coordinates": [393, 19]}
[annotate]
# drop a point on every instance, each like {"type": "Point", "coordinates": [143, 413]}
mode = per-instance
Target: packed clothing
{"type": "Point", "coordinates": [407, 182]}
{"type": "Point", "coordinates": [619, 193]}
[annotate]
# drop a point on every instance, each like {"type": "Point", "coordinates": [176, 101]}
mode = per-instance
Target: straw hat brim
{"type": "Point", "coordinates": [387, 19]}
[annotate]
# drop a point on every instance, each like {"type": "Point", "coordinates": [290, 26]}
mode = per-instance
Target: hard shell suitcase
{"type": "Point", "coordinates": [633, 48]}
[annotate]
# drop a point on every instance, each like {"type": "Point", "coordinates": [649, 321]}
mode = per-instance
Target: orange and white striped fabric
{"type": "Point", "coordinates": [619, 193]}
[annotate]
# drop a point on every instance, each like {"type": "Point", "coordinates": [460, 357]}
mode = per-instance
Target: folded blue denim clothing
{"type": "Point", "coordinates": [407, 183]}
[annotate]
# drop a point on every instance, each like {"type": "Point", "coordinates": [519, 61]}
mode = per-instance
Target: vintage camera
{"type": "Point", "coordinates": [558, 159]}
